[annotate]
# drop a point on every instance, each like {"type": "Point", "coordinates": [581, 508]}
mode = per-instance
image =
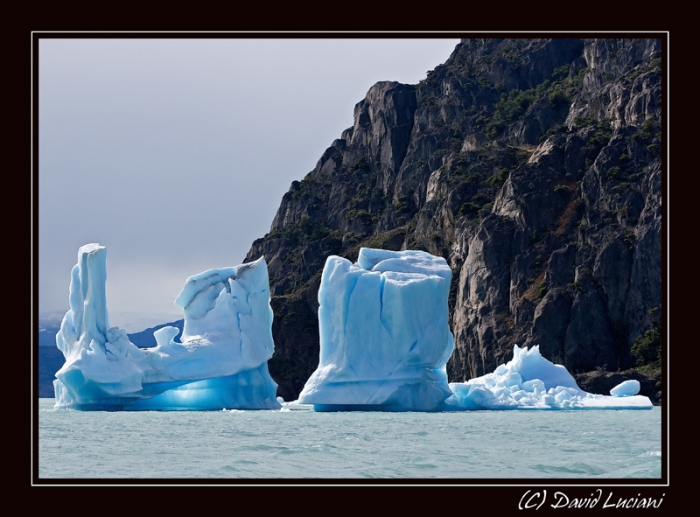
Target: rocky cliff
{"type": "Point", "coordinates": [533, 166]}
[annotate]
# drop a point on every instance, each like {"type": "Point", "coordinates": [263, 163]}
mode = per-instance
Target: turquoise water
{"type": "Point", "coordinates": [296, 442]}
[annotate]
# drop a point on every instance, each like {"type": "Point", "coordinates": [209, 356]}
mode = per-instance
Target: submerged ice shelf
{"type": "Point", "coordinates": [221, 361]}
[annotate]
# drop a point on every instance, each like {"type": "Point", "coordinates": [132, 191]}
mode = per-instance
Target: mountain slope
{"type": "Point", "coordinates": [533, 166]}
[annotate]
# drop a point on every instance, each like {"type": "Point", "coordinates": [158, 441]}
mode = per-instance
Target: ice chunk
{"type": "Point", "coordinates": [626, 389]}
{"type": "Point", "coordinates": [529, 381]}
{"type": "Point", "coordinates": [384, 333]}
{"type": "Point", "coordinates": [248, 389]}
{"type": "Point", "coordinates": [531, 365]}
{"type": "Point", "coordinates": [220, 363]}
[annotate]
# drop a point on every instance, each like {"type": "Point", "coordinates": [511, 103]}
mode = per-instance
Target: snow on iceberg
{"type": "Point", "coordinates": [626, 389]}
{"type": "Point", "coordinates": [529, 381]}
{"type": "Point", "coordinates": [221, 361]}
{"type": "Point", "coordinates": [384, 333]}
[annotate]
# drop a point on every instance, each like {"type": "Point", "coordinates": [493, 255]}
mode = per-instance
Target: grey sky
{"type": "Point", "coordinates": [175, 153]}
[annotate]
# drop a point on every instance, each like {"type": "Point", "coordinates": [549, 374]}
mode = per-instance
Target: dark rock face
{"type": "Point", "coordinates": [532, 166]}
{"type": "Point", "coordinates": [295, 330]}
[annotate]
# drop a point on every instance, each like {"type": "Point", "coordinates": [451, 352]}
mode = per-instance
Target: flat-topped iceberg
{"type": "Point", "coordinates": [529, 381]}
{"type": "Point", "coordinates": [221, 361]}
{"type": "Point", "coordinates": [384, 333]}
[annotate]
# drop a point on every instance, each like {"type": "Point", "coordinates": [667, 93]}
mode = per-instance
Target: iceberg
{"type": "Point", "coordinates": [384, 333]}
{"type": "Point", "coordinates": [626, 389]}
{"type": "Point", "coordinates": [529, 381]}
{"type": "Point", "coordinates": [385, 341]}
{"type": "Point", "coordinates": [220, 362]}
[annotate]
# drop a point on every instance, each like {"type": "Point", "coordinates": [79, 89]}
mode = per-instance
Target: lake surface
{"type": "Point", "coordinates": [297, 442]}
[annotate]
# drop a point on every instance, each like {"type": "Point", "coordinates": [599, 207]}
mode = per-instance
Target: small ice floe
{"type": "Point", "coordinates": [626, 389]}
{"type": "Point", "coordinates": [529, 381]}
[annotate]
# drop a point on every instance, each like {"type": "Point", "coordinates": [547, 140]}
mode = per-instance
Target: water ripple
{"type": "Point", "coordinates": [302, 444]}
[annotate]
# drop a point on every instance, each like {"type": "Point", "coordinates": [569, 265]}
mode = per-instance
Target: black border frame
{"type": "Point", "coordinates": [516, 488]}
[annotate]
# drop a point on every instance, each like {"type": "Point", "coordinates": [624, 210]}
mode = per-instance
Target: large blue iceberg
{"type": "Point", "coordinates": [385, 341]}
{"type": "Point", "coordinates": [221, 361]}
{"type": "Point", "coordinates": [384, 333]}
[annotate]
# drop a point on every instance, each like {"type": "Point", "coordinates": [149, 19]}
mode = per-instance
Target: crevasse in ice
{"type": "Point", "coordinates": [384, 333]}
{"type": "Point", "coordinates": [221, 361]}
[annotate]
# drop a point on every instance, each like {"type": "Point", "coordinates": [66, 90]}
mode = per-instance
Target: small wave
{"type": "Point", "coordinates": [245, 462]}
{"type": "Point", "coordinates": [421, 466]}
{"type": "Point", "coordinates": [651, 453]}
{"type": "Point", "coordinates": [634, 471]}
{"type": "Point", "coordinates": [575, 469]}
{"type": "Point", "coordinates": [265, 447]}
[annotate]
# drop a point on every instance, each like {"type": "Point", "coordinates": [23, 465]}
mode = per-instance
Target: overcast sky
{"type": "Point", "coordinates": [175, 153]}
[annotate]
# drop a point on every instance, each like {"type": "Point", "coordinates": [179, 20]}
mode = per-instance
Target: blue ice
{"type": "Point", "coordinates": [529, 381]}
{"type": "Point", "coordinates": [385, 341]}
{"type": "Point", "coordinates": [220, 362]}
{"type": "Point", "coordinates": [384, 333]}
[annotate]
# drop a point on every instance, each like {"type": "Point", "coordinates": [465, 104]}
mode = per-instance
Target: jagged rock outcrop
{"type": "Point", "coordinates": [532, 166]}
